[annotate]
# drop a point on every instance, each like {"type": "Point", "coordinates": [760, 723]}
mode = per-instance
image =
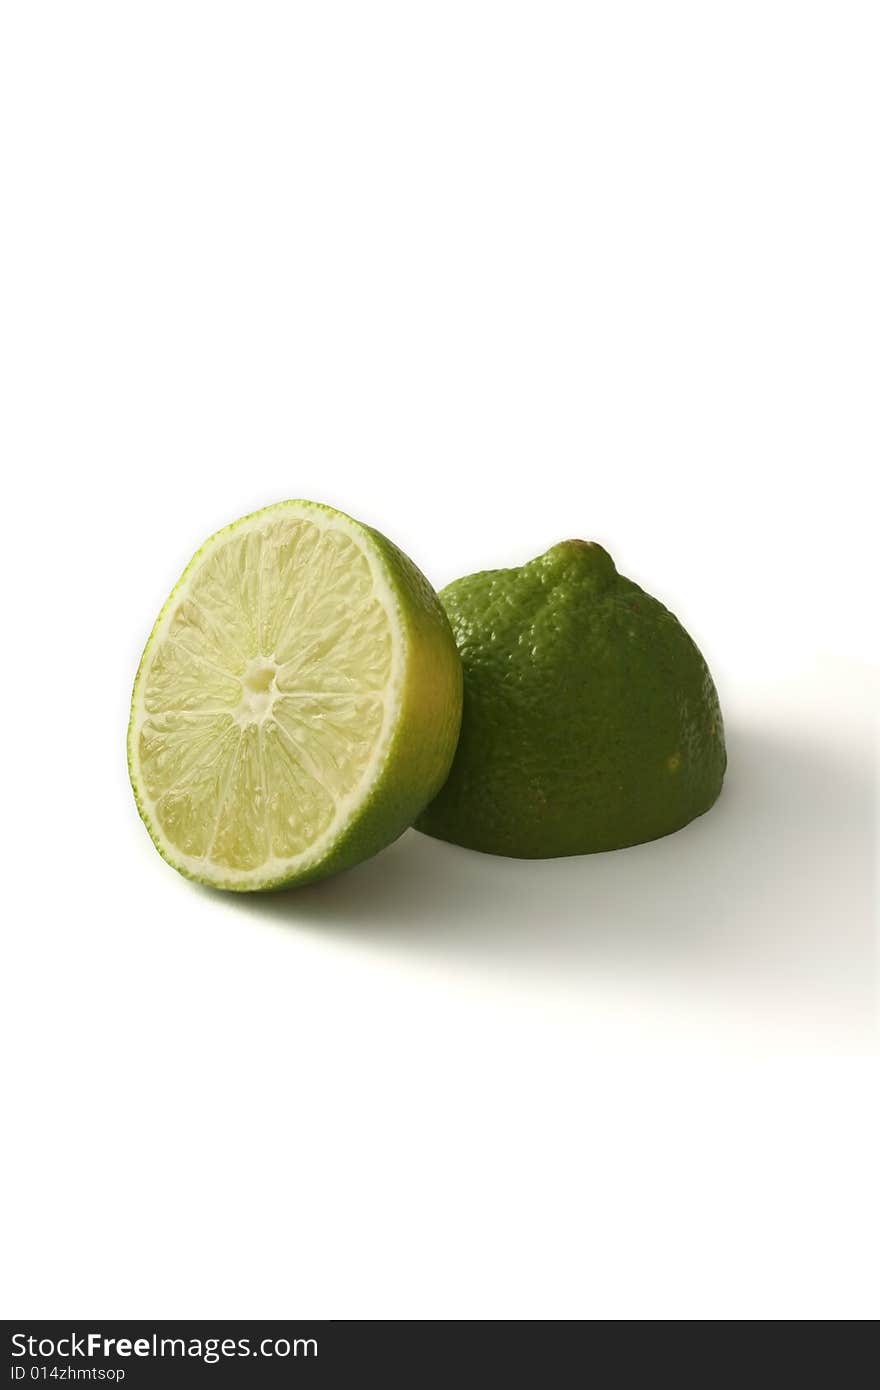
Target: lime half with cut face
{"type": "Point", "coordinates": [297, 704]}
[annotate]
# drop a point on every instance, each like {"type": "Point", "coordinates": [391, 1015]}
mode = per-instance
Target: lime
{"type": "Point", "coordinates": [297, 703]}
{"type": "Point", "coordinates": [591, 721]}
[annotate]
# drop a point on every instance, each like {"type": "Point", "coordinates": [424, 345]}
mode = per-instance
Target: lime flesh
{"type": "Point", "coordinates": [297, 704]}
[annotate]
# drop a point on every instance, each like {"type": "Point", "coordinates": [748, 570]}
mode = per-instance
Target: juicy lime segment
{"type": "Point", "coordinates": [269, 697]}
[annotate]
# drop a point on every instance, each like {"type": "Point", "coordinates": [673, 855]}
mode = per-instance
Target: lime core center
{"type": "Point", "coordinates": [258, 691]}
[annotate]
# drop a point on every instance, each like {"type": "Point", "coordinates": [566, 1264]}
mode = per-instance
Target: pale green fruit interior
{"type": "Point", "coordinates": [261, 707]}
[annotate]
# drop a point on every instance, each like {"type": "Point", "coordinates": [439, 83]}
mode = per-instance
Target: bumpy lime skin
{"type": "Point", "coordinates": [591, 721]}
{"type": "Point", "coordinates": [425, 735]}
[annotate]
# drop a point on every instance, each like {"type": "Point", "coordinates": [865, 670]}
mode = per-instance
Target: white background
{"type": "Point", "coordinates": [485, 276]}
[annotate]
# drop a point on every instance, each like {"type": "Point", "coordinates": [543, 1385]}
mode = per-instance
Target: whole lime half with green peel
{"type": "Point", "coordinates": [591, 721]}
{"type": "Point", "coordinates": [297, 704]}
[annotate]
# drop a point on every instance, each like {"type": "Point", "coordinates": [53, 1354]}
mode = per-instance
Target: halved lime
{"type": "Point", "coordinates": [297, 704]}
{"type": "Point", "coordinates": [591, 720]}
